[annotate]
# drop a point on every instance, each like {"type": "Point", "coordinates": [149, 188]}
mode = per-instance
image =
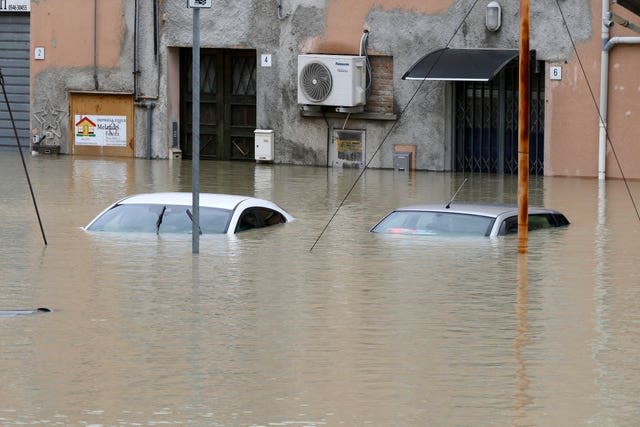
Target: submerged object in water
{"type": "Point", "coordinates": [13, 313]}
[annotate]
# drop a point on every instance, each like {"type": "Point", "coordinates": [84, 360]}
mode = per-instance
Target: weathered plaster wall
{"type": "Point", "coordinates": [402, 29]}
{"type": "Point", "coordinates": [67, 34]}
{"type": "Point", "coordinates": [572, 126]}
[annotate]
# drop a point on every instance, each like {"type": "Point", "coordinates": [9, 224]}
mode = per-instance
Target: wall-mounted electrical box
{"type": "Point", "coordinates": [264, 149]}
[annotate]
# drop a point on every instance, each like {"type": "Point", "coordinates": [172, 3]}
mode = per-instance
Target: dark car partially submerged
{"type": "Point", "coordinates": [465, 219]}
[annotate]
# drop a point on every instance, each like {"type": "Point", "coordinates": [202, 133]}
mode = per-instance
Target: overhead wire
{"type": "Point", "coordinates": [608, 138]}
{"type": "Point", "coordinates": [24, 164]}
{"type": "Point", "coordinates": [391, 129]}
{"type": "Point", "coordinates": [602, 121]}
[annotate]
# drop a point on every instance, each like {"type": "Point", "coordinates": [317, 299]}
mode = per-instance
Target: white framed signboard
{"type": "Point", "coordinates": [96, 130]}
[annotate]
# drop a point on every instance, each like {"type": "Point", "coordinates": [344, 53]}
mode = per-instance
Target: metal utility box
{"type": "Point", "coordinates": [264, 145]}
{"type": "Point", "coordinates": [175, 153]}
{"type": "Point", "coordinates": [402, 161]}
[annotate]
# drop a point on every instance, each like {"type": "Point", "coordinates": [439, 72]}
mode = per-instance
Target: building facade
{"type": "Point", "coordinates": [113, 78]}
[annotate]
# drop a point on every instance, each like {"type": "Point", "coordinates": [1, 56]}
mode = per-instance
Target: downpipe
{"type": "Point", "coordinates": [149, 107]}
{"type": "Point", "coordinates": [607, 45]}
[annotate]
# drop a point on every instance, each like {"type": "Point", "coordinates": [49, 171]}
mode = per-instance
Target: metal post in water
{"type": "Point", "coordinates": [195, 133]}
{"type": "Point", "coordinates": [523, 130]}
{"type": "Point", "coordinates": [24, 164]}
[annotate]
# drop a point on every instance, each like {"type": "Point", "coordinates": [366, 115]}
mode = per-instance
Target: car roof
{"type": "Point", "coordinates": [483, 209]}
{"type": "Point", "coordinates": [209, 200]}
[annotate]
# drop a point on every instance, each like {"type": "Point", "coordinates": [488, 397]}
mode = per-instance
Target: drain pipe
{"type": "Point", "coordinates": [607, 45]}
{"type": "Point", "coordinates": [145, 101]}
{"type": "Point", "coordinates": [96, 84]}
{"type": "Point", "coordinates": [149, 106]}
{"type": "Point", "coordinates": [136, 71]}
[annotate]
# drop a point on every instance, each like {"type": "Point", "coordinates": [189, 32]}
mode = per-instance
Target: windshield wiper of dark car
{"type": "Point", "coordinates": [159, 221]}
{"type": "Point", "coordinates": [190, 215]}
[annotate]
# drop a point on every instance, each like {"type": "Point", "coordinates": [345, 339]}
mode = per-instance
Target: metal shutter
{"type": "Point", "coordinates": [14, 63]}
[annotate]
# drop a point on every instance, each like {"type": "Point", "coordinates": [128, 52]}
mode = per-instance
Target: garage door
{"type": "Point", "coordinates": [14, 63]}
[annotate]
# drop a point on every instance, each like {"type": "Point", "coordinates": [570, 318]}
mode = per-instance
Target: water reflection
{"type": "Point", "coordinates": [522, 398]}
{"type": "Point", "coordinates": [363, 330]}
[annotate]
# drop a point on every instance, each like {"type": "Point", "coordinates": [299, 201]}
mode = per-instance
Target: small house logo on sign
{"type": "Point", "coordinates": [85, 127]}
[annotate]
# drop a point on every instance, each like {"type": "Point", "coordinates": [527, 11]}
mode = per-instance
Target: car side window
{"type": "Point", "coordinates": [536, 221]}
{"type": "Point", "coordinates": [258, 218]}
{"type": "Point", "coordinates": [539, 221]}
{"type": "Point", "coordinates": [509, 226]}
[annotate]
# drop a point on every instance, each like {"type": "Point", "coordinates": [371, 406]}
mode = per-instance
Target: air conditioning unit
{"type": "Point", "coordinates": [333, 80]}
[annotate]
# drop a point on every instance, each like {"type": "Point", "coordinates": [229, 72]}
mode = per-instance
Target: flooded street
{"type": "Point", "coordinates": [365, 329]}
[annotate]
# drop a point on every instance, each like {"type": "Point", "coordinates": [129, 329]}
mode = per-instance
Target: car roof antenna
{"type": "Point", "coordinates": [455, 194]}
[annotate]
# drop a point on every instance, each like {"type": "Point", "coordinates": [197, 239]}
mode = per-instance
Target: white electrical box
{"type": "Point", "coordinates": [264, 145]}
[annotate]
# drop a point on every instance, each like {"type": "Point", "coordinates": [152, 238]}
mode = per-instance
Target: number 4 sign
{"type": "Point", "coordinates": [199, 3]}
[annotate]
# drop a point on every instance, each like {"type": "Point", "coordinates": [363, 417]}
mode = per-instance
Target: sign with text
{"type": "Point", "coordinates": [15, 5]}
{"type": "Point", "coordinates": [101, 130]}
{"type": "Point", "coordinates": [199, 3]}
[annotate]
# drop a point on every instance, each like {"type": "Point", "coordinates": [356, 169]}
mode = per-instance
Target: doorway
{"type": "Point", "coordinates": [486, 123]}
{"type": "Point", "coordinates": [227, 103]}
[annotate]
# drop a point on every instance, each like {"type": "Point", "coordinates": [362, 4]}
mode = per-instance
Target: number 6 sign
{"type": "Point", "coordinates": [555, 73]}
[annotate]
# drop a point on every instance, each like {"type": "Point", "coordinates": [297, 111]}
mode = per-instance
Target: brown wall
{"type": "Point", "coordinates": [66, 33]}
{"type": "Point", "coordinates": [572, 116]}
{"type": "Point", "coordinates": [343, 30]}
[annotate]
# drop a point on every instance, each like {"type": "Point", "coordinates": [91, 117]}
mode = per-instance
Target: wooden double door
{"type": "Point", "coordinates": [227, 103]}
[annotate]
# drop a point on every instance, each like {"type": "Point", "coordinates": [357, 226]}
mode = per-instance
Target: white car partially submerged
{"type": "Point", "coordinates": [172, 213]}
{"type": "Point", "coordinates": [464, 219]}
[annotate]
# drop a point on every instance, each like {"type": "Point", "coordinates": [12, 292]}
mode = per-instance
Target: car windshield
{"type": "Point", "coordinates": [152, 218]}
{"type": "Point", "coordinates": [434, 223]}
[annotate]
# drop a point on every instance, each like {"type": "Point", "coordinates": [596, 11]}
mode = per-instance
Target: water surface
{"type": "Point", "coordinates": [365, 329]}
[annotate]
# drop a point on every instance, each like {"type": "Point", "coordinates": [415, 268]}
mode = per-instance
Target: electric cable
{"type": "Point", "coordinates": [602, 121]}
{"type": "Point", "coordinates": [24, 164]}
{"type": "Point", "coordinates": [393, 126]}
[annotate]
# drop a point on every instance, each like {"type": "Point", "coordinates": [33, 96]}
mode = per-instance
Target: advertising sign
{"type": "Point", "coordinates": [108, 131]}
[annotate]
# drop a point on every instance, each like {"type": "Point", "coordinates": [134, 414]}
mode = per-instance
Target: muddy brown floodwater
{"type": "Point", "coordinates": [259, 330]}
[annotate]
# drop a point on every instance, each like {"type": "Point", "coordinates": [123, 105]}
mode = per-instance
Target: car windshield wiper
{"type": "Point", "coordinates": [159, 221]}
{"type": "Point", "coordinates": [190, 215]}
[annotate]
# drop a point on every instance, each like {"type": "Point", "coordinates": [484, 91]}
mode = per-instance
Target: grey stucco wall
{"type": "Point", "coordinates": [254, 24]}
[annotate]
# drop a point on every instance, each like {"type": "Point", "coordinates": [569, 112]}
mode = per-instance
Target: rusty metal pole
{"type": "Point", "coordinates": [523, 130]}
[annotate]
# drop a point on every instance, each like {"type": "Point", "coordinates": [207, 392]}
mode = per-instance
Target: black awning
{"type": "Point", "coordinates": [461, 64]}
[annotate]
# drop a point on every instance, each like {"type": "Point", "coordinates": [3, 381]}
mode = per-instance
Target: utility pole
{"type": "Point", "coordinates": [523, 129]}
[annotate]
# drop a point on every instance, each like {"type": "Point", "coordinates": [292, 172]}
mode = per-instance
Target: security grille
{"type": "Point", "coordinates": [486, 124]}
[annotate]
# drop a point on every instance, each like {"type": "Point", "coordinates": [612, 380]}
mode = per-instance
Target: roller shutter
{"type": "Point", "coordinates": [14, 63]}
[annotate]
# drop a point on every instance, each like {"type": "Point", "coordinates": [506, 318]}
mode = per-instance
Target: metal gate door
{"type": "Point", "coordinates": [14, 63]}
{"type": "Point", "coordinates": [486, 124]}
{"type": "Point", "coordinates": [227, 103]}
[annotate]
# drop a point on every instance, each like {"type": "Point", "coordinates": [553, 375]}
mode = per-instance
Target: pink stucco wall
{"type": "Point", "coordinates": [67, 33]}
{"type": "Point", "coordinates": [572, 116]}
{"type": "Point", "coordinates": [343, 30]}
